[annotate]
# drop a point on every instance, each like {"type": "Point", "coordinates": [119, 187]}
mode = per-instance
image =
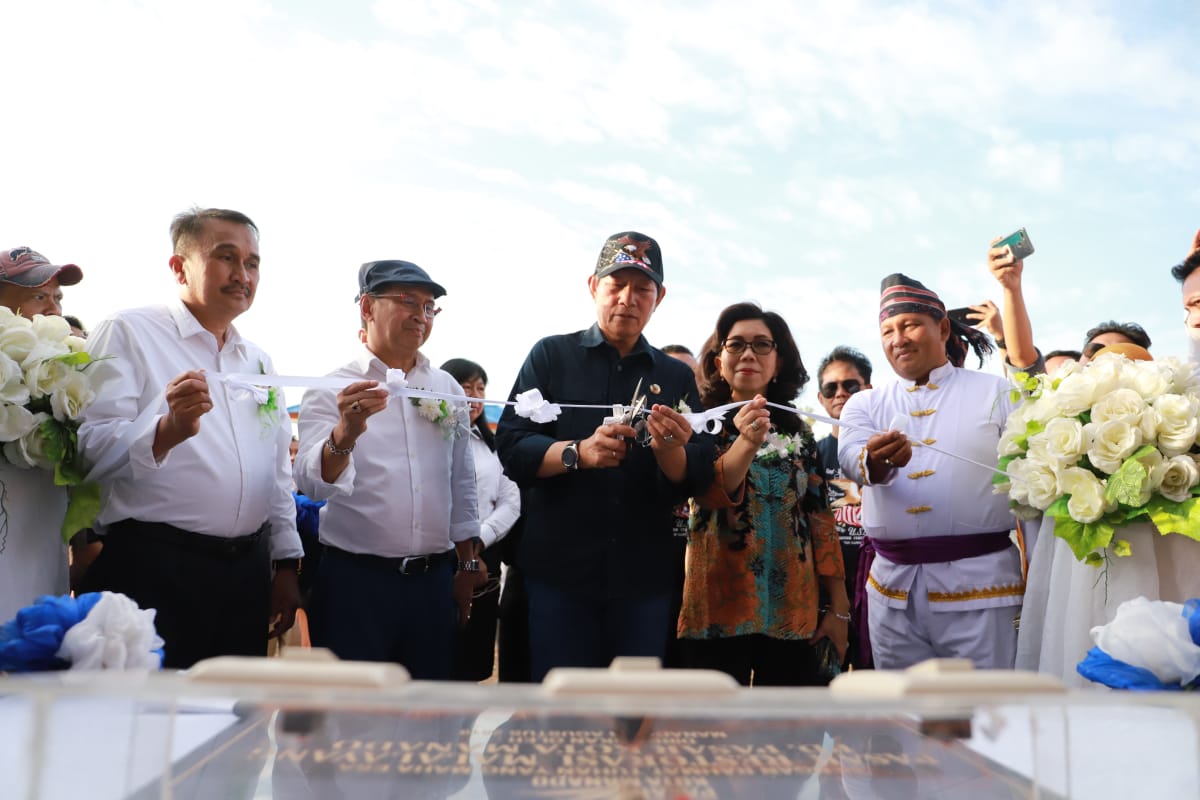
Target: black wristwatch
{"type": "Point", "coordinates": [570, 456]}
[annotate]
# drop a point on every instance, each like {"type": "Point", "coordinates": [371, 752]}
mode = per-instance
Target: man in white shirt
{"type": "Point", "coordinates": [196, 495]}
{"type": "Point", "coordinates": [33, 559]}
{"type": "Point", "coordinates": [400, 484]}
{"type": "Point", "coordinates": [946, 579]}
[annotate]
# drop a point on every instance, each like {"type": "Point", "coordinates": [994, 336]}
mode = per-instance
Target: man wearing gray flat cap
{"type": "Point", "coordinates": [398, 568]}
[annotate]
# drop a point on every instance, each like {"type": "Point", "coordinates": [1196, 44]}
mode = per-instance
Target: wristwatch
{"type": "Point", "coordinates": [570, 456]}
{"type": "Point", "coordinates": [469, 566]}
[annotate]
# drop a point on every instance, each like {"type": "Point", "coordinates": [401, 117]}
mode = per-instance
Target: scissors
{"type": "Point", "coordinates": [634, 416]}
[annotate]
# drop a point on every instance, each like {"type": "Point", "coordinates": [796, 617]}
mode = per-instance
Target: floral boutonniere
{"type": "Point", "coordinates": [268, 410]}
{"type": "Point", "coordinates": [779, 446]}
{"type": "Point", "coordinates": [682, 407]}
{"type": "Point", "coordinates": [440, 413]}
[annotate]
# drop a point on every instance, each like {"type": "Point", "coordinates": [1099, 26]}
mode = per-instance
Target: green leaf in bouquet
{"type": "Point", "coordinates": [1083, 538]}
{"type": "Point", "coordinates": [1002, 465]}
{"type": "Point", "coordinates": [1121, 548]}
{"type": "Point", "coordinates": [83, 504]}
{"type": "Point", "coordinates": [1171, 517]}
{"type": "Point", "coordinates": [1093, 559]}
{"type": "Point", "coordinates": [1125, 485]}
{"type": "Point", "coordinates": [80, 359]}
{"type": "Point", "coordinates": [1058, 509]}
{"type": "Point", "coordinates": [1085, 418]}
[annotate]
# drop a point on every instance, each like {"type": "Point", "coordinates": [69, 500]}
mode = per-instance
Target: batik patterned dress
{"type": "Point", "coordinates": [754, 560]}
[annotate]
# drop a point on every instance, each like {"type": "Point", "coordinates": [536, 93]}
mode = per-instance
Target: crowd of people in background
{"type": "Point", "coordinates": [409, 531]}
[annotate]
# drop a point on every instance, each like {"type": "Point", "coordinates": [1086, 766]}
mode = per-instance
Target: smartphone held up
{"type": "Point", "coordinates": [1019, 242]}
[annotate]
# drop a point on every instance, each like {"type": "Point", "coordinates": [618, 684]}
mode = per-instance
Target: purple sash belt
{"type": "Point", "coordinates": [927, 550]}
{"type": "Point", "coordinates": [936, 549]}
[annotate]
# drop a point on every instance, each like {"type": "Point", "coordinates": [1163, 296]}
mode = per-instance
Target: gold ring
{"type": "Point", "coordinates": [355, 407]}
{"type": "Point", "coordinates": [754, 425]}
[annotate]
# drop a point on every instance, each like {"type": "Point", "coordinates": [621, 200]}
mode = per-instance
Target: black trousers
{"type": "Point", "coordinates": [773, 662]}
{"type": "Point", "coordinates": [211, 598]}
{"type": "Point", "coordinates": [513, 638]}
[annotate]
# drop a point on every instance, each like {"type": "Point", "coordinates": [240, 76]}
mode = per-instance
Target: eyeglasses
{"type": "Point", "coordinates": [737, 346]}
{"type": "Point", "coordinates": [411, 303]}
{"type": "Point", "coordinates": [828, 390]}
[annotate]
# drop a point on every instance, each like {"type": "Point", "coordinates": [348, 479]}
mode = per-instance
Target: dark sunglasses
{"type": "Point", "coordinates": [828, 390]}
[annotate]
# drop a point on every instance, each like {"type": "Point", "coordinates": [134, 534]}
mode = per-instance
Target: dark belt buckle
{"type": "Point", "coordinates": [414, 565]}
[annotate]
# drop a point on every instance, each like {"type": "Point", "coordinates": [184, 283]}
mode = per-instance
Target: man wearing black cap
{"type": "Point", "coordinates": [397, 473]}
{"type": "Point", "coordinates": [597, 549]}
{"type": "Point", "coordinates": [33, 559]}
{"type": "Point", "coordinates": [196, 496]}
{"type": "Point", "coordinates": [946, 580]}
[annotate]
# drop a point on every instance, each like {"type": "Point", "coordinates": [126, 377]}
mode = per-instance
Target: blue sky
{"type": "Point", "coordinates": [787, 152]}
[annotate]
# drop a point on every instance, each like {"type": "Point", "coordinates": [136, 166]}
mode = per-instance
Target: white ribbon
{"type": "Point", "coordinates": [530, 405]}
{"type": "Point", "coordinates": [711, 420]}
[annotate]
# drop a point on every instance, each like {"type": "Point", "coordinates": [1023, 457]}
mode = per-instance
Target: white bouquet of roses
{"type": "Point", "coordinates": [44, 387]}
{"type": "Point", "coordinates": [1100, 446]}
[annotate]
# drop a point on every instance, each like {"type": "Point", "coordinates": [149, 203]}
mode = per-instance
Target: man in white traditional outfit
{"type": "Point", "coordinates": [946, 579]}
{"type": "Point", "coordinates": [33, 558]}
{"type": "Point", "coordinates": [196, 491]}
{"type": "Point", "coordinates": [402, 509]}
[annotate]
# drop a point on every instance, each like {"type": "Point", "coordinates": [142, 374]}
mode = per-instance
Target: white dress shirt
{"type": "Point", "coordinates": [499, 497]}
{"type": "Point", "coordinates": [962, 411]}
{"type": "Point", "coordinates": [228, 479]}
{"type": "Point", "coordinates": [409, 489]}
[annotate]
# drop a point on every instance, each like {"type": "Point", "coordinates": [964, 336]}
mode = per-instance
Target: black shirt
{"type": "Point", "coordinates": [604, 532]}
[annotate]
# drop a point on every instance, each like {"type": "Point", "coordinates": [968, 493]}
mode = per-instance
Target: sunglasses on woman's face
{"type": "Point", "coordinates": [828, 390]}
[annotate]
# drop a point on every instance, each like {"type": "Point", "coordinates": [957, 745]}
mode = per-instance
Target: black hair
{"type": "Point", "coordinates": [677, 348]}
{"type": "Point", "coordinates": [463, 370]}
{"type": "Point", "coordinates": [1182, 270]}
{"type": "Point", "coordinates": [1074, 355]}
{"type": "Point", "coordinates": [850, 355]}
{"type": "Point", "coordinates": [790, 376]}
{"type": "Point", "coordinates": [1130, 330]}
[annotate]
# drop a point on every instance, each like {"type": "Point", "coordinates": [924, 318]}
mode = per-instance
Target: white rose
{"type": "Point", "coordinates": [1152, 635]}
{"type": "Point", "coordinates": [29, 450]}
{"type": "Point", "coordinates": [44, 350]}
{"type": "Point", "coordinates": [45, 377]}
{"type": "Point", "coordinates": [1176, 422]}
{"type": "Point", "coordinates": [1184, 375]}
{"type": "Point", "coordinates": [1112, 443]}
{"type": "Point", "coordinates": [1062, 443]}
{"type": "Point", "coordinates": [1018, 487]}
{"type": "Point", "coordinates": [18, 341]}
{"type": "Point", "coordinates": [1123, 404]}
{"type": "Point", "coordinates": [1042, 409]}
{"type": "Point", "coordinates": [15, 422]}
{"type": "Point", "coordinates": [1179, 476]}
{"type": "Point", "coordinates": [1075, 393]}
{"type": "Point", "coordinates": [1008, 446]}
{"type": "Point", "coordinates": [71, 397]}
{"type": "Point", "coordinates": [76, 344]}
{"type": "Point", "coordinates": [1040, 483]}
{"type": "Point", "coordinates": [51, 328]}
{"type": "Point", "coordinates": [1148, 379]}
{"type": "Point", "coordinates": [1086, 502]}
{"type": "Point", "coordinates": [1107, 373]}
{"type": "Point", "coordinates": [12, 382]}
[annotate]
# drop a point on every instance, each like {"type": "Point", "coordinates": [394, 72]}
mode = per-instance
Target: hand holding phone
{"type": "Point", "coordinates": [1019, 243]}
